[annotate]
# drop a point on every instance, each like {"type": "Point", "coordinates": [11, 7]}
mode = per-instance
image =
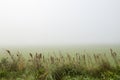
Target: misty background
{"type": "Point", "coordinates": [59, 22]}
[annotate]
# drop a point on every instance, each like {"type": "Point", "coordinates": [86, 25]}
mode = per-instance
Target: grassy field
{"type": "Point", "coordinates": [60, 64]}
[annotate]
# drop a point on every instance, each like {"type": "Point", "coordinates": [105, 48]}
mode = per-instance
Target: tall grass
{"type": "Point", "coordinates": [62, 67]}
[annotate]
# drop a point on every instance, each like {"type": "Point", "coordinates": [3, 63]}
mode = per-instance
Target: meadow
{"type": "Point", "coordinates": [60, 64]}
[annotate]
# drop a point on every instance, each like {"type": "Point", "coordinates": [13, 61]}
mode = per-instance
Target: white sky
{"type": "Point", "coordinates": [56, 22]}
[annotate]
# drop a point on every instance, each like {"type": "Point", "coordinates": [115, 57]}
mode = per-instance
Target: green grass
{"type": "Point", "coordinates": [69, 66]}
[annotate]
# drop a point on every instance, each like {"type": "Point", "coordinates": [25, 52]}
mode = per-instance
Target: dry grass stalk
{"type": "Point", "coordinates": [89, 60]}
{"type": "Point", "coordinates": [115, 58]}
{"type": "Point", "coordinates": [69, 57]}
{"type": "Point", "coordinates": [31, 55]}
{"type": "Point", "coordinates": [8, 51]}
{"type": "Point", "coordinates": [52, 60]}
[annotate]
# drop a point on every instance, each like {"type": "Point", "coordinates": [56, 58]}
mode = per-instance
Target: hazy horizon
{"type": "Point", "coordinates": [59, 23]}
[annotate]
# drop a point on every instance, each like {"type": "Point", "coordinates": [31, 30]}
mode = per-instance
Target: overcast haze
{"type": "Point", "coordinates": [59, 22]}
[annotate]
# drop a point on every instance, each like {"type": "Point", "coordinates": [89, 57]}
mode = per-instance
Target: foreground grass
{"type": "Point", "coordinates": [62, 67]}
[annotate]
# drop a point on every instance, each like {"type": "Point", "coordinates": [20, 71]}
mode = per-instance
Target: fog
{"type": "Point", "coordinates": [59, 22]}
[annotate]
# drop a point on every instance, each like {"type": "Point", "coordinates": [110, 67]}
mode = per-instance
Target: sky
{"type": "Point", "coordinates": [59, 22]}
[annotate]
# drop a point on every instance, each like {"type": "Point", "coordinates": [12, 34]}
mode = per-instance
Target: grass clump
{"type": "Point", "coordinates": [67, 67]}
